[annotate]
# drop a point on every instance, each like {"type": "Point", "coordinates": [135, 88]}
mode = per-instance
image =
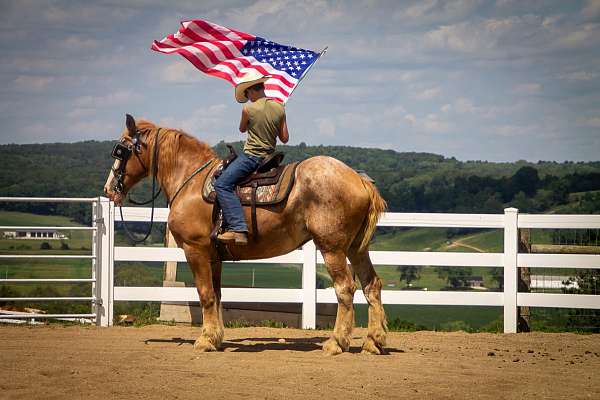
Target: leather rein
{"type": "Point", "coordinates": [122, 152]}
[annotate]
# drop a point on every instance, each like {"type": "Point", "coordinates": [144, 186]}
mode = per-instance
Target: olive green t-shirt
{"type": "Point", "coordinates": [264, 124]}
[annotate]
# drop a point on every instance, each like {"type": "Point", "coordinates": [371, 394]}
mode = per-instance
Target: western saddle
{"type": "Point", "coordinates": [269, 184]}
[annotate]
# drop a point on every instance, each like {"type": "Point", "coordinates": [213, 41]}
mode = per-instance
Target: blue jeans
{"type": "Point", "coordinates": [241, 167]}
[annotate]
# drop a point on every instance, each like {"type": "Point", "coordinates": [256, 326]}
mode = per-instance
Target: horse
{"type": "Point", "coordinates": [330, 203]}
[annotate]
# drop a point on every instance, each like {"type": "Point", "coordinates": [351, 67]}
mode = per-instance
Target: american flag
{"type": "Point", "coordinates": [229, 54]}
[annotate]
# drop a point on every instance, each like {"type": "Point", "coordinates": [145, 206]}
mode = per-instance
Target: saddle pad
{"type": "Point", "coordinates": [265, 194]}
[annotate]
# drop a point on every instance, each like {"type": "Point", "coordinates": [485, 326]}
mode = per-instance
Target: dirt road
{"type": "Point", "coordinates": [158, 362]}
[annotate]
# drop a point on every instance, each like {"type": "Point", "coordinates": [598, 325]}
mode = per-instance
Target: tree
{"type": "Point", "coordinates": [409, 273]}
{"type": "Point", "coordinates": [455, 276]}
{"type": "Point", "coordinates": [497, 274]}
{"type": "Point", "coordinates": [525, 180]}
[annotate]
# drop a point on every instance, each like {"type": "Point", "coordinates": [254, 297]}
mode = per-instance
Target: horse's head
{"type": "Point", "coordinates": [132, 161]}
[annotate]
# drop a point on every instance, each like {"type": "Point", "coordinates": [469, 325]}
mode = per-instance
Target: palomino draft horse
{"type": "Point", "coordinates": [330, 203]}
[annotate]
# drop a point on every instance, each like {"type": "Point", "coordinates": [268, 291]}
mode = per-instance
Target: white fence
{"type": "Point", "coordinates": [106, 254]}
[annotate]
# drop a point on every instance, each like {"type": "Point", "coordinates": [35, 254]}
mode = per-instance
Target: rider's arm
{"type": "Point", "coordinates": [244, 120]}
{"type": "Point", "coordinates": [284, 136]}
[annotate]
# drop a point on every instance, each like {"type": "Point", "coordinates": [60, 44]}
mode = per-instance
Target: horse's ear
{"type": "Point", "coordinates": [130, 123]}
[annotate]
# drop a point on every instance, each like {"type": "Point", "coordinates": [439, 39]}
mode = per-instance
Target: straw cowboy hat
{"type": "Point", "coordinates": [251, 78]}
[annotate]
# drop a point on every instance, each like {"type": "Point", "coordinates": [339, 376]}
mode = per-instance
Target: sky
{"type": "Point", "coordinates": [500, 80]}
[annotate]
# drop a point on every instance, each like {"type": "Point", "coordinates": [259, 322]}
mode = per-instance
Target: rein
{"type": "Point", "coordinates": [135, 149]}
{"type": "Point", "coordinates": [189, 178]}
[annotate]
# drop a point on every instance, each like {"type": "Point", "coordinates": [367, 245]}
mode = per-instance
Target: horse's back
{"type": "Point", "coordinates": [327, 174]}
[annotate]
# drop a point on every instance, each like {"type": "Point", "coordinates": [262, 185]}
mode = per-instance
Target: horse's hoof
{"type": "Point", "coordinates": [370, 347]}
{"type": "Point", "coordinates": [202, 344]}
{"type": "Point", "coordinates": [331, 347]}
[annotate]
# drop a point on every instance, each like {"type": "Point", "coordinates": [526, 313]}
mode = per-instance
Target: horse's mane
{"type": "Point", "coordinates": [172, 142]}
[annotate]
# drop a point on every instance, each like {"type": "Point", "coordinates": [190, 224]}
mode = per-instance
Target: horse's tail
{"type": "Point", "coordinates": [377, 206]}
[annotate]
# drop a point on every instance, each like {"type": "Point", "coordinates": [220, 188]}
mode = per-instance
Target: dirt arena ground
{"type": "Point", "coordinates": [158, 362]}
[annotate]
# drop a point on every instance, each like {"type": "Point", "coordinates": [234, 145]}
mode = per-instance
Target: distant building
{"type": "Point", "coordinates": [552, 282]}
{"type": "Point", "coordinates": [475, 281]}
{"type": "Point", "coordinates": [37, 234]}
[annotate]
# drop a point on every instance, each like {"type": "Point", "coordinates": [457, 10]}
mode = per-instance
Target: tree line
{"type": "Point", "coordinates": [410, 182]}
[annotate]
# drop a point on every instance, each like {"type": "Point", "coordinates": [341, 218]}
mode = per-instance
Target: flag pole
{"type": "Point", "coordinates": [306, 72]}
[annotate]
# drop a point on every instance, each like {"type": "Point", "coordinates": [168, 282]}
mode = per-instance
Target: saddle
{"type": "Point", "coordinates": [268, 185]}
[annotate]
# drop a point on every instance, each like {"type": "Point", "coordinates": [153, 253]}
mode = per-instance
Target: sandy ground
{"type": "Point", "coordinates": [158, 362]}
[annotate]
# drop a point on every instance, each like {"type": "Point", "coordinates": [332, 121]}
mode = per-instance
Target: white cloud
{"type": "Point", "coordinates": [469, 37]}
{"type": "Point", "coordinates": [464, 106]}
{"type": "Point", "coordinates": [591, 9]}
{"type": "Point", "coordinates": [76, 113]}
{"type": "Point", "coordinates": [326, 127]}
{"type": "Point", "coordinates": [579, 76]}
{"type": "Point", "coordinates": [250, 15]}
{"type": "Point", "coordinates": [77, 43]}
{"type": "Point", "coordinates": [434, 124]}
{"type": "Point", "coordinates": [434, 11]}
{"type": "Point", "coordinates": [411, 119]}
{"type": "Point", "coordinates": [117, 98]}
{"type": "Point", "coordinates": [586, 35]}
{"type": "Point", "coordinates": [394, 111]}
{"type": "Point", "coordinates": [528, 88]}
{"type": "Point", "coordinates": [41, 130]}
{"type": "Point", "coordinates": [593, 122]}
{"type": "Point", "coordinates": [428, 94]}
{"type": "Point", "coordinates": [512, 130]}
{"type": "Point", "coordinates": [181, 71]}
{"type": "Point", "coordinates": [210, 124]}
{"type": "Point", "coordinates": [33, 83]}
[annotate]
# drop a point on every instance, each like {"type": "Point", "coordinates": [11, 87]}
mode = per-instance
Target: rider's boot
{"type": "Point", "coordinates": [240, 238]}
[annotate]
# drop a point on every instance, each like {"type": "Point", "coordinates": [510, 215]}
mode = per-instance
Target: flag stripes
{"type": "Point", "coordinates": [229, 54]}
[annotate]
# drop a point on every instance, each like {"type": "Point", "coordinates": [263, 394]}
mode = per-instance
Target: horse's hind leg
{"type": "Point", "coordinates": [371, 285]}
{"type": "Point", "coordinates": [344, 290]}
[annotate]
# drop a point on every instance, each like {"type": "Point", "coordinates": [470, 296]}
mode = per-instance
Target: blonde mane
{"type": "Point", "coordinates": [171, 143]}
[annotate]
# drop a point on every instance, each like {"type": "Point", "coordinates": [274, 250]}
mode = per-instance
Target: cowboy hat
{"type": "Point", "coordinates": [250, 79]}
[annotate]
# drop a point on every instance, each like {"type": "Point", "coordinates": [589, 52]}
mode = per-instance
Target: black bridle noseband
{"type": "Point", "coordinates": [122, 152]}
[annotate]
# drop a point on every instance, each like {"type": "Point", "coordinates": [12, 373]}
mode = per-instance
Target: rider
{"type": "Point", "coordinates": [264, 120]}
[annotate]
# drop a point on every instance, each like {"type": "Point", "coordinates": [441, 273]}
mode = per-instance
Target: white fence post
{"type": "Point", "coordinates": [105, 222]}
{"type": "Point", "coordinates": [511, 249]}
{"type": "Point", "coordinates": [309, 286]}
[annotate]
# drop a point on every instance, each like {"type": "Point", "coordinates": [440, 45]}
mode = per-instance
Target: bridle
{"type": "Point", "coordinates": [122, 152]}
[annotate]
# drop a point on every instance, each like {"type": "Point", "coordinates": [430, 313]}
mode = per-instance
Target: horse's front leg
{"type": "Point", "coordinates": [212, 322]}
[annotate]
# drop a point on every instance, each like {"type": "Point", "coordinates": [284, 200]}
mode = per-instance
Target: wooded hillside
{"type": "Point", "coordinates": [415, 182]}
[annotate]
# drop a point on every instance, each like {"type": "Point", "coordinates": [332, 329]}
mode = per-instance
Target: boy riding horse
{"type": "Point", "coordinates": [264, 120]}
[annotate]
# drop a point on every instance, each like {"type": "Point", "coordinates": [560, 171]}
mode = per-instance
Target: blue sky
{"type": "Point", "coordinates": [478, 80]}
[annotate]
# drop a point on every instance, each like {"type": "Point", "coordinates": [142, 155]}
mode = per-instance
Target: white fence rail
{"type": "Point", "coordinates": [105, 254]}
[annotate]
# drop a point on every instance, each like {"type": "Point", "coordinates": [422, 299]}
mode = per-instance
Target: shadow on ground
{"type": "Point", "coordinates": [264, 344]}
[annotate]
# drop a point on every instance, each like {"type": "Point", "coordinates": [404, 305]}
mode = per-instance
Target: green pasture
{"type": "Point", "coordinates": [78, 242]}
{"type": "Point", "coordinates": [20, 218]}
{"type": "Point", "coordinates": [437, 317]}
